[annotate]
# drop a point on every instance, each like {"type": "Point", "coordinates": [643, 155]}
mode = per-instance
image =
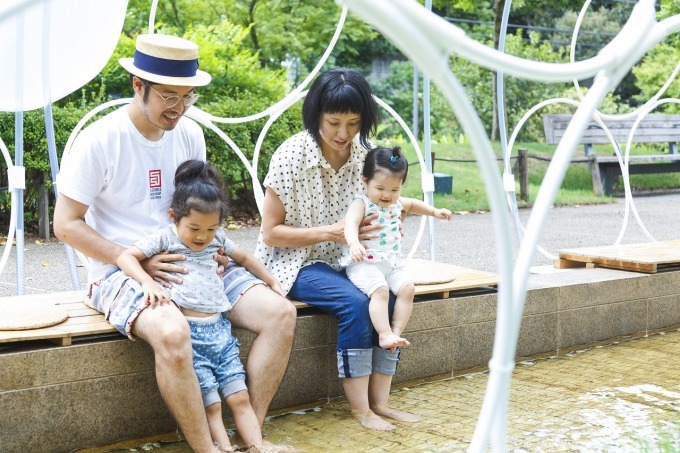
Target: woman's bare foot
{"type": "Point", "coordinates": [391, 341]}
{"type": "Point", "coordinates": [397, 415]}
{"type": "Point", "coordinates": [370, 420]}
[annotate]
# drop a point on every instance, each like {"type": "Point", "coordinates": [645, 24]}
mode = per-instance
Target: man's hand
{"type": "Point", "coordinates": [163, 270]}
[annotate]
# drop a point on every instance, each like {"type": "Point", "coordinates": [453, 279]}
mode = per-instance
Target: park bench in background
{"type": "Point", "coordinates": [605, 170]}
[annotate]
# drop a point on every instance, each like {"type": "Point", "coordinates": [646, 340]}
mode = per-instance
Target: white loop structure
{"type": "Point", "coordinates": [428, 40]}
{"type": "Point", "coordinates": [13, 214]}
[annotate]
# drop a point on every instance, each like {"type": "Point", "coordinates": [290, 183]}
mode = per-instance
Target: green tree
{"type": "Point", "coordinates": [282, 33]}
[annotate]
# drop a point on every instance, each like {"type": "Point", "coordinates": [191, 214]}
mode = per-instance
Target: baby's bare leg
{"type": "Point", "coordinates": [379, 312]}
{"type": "Point", "coordinates": [403, 307]}
{"type": "Point", "coordinates": [247, 424]}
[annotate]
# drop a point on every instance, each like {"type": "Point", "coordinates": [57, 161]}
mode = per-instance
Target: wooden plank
{"type": "Point", "coordinates": [75, 330]}
{"type": "Point", "coordinates": [561, 263]}
{"type": "Point", "coordinates": [7, 336]}
{"type": "Point", "coordinates": [84, 320]}
{"type": "Point", "coordinates": [643, 257]}
{"type": "Point", "coordinates": [91, 319]}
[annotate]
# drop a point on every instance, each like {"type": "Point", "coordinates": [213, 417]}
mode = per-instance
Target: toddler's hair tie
{"type": "Point", "coordinates": [394, 158]}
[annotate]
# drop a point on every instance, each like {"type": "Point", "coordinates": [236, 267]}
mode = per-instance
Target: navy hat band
{"type": "Point", "coordinates": [165, 67]}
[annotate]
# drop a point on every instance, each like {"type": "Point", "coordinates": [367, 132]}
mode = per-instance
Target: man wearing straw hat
{"type": "Point", "coordinates": [115, 187]}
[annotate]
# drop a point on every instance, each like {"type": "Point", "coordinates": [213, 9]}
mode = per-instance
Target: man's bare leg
{"type": "Point", "coordinates": [166, 330]}
{"type": "Point", "coordinates": [356, 391]}
{"type": "Point", "coordinates": [272, 318]}
{"type": "Point", "coordinates": [379, 394]}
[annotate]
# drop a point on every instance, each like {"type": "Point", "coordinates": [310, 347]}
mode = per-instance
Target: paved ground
{"type": "Point", "coordinates": [622, 397]}
{"type": "Point", "coordinates": [468, 240]}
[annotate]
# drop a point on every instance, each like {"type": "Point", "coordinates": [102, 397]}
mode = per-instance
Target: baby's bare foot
{"type": "Point", "coordinates": [394, 414]}
{"type": "Point", "coordinates": [391, 341]}
{"type": "Point", "coordinates": [370, 420]}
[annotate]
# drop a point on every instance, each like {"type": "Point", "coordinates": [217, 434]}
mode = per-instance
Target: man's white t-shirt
{"type": "Point", "coordinates": [126, 180]}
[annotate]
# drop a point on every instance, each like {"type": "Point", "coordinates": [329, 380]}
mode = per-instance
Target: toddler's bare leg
{"type": "Point", "coordinates": [217, 430]}
{"type": "Point", "coordinates": [247, 424]}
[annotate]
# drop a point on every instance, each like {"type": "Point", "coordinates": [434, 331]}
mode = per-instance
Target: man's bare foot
{"type": "Point", "coordinates": [370, 420]}
{"type": "Point", "coordinates": [397, 415]}
{"type": "Point", "coordinates": [391, 341]}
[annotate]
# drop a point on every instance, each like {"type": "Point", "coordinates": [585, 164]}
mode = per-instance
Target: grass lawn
{"type": "Point", "coordinates": [469, 193]}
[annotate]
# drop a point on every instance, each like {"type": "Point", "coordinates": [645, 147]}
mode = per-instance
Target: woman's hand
{"type": "Point", "coordinates": [367, 228]}
{"type": "Point", "coordinates": [336, 232]}
{"type": "Point", "coordinates": [276, 287]}
{"type": "Point", "coordinates": [162, 269]}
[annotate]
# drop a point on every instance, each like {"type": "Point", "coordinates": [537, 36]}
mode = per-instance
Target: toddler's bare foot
{"type": "Point", "coordinates": [392, 341]}
{"type": "Point", "coordinates": [394, 414]}
{"type": "Point", "coordinates": [222, 448]}
{"type": "Point", "coordinates": [370, 420]}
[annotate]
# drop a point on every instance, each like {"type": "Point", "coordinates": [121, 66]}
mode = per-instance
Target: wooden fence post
{"type": "Point", "coordinates": [523, 170]}
{"type": "Point", "coordinates": [595, 174]}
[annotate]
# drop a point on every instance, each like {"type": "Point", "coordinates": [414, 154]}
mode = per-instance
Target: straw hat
{"type": "Point", "coordinates": [168, 60]}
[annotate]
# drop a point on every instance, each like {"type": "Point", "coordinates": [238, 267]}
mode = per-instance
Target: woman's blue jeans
{"type": "Point", "coordinates": [321, 286]}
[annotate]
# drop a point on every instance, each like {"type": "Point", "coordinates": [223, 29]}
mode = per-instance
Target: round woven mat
{"type": "Point", "coordinates": [430, 274]}
{"type": "Point", "coordinates": [30, 315]}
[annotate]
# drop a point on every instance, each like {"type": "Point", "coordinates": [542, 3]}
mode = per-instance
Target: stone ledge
{"type": "Point", "coordinates": [100, 390]}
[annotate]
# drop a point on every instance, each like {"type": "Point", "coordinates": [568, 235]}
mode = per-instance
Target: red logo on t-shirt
{"type": "Point", "coordinates": [154, 178]}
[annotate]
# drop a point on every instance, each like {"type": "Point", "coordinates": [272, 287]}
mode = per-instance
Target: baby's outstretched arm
{"type": "Point", "coordinates": [421, 208]}
{"type": "Point", "coordinates": [353, 219]}
{"type": "Point", "coordinates": [443, 214]}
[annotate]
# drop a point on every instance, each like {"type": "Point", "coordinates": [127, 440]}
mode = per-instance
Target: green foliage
{"type": "Point", "coordinates": [521, 94]}
{"type": "Point", "coordinates": [397, 91]}
{"type": "Point", "coordinates": [469, 191]}
{"type": "Point", "coordinates": [653, 72]}
{"type": "Point", "coordinates": [280, 32]}
{"type": "Point", "coordinates": [240, 87]}
{"type": "Point", "coordinates": [36, 158]}
{"type": "Point", "coordinates": [245, 136]}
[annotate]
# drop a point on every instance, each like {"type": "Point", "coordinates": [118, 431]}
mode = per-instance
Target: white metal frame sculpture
{"type": "Point", "coordinates": [429, 41]}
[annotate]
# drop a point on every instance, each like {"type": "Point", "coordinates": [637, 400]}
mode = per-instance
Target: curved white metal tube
{"type": "Point", "coordinates": [290, 97]}
{"type": "Point", "coordinates": [402, 23]}
{"type": "Point", "coordinates": [13, 214]}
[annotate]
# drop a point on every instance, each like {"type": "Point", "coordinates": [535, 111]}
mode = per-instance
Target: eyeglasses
{"type": "Point", "coordinates": [171, 101]}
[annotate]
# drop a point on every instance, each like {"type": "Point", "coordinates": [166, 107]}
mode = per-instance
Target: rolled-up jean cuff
{"type": "Point", "coordinates": [384, 361]}
{"type": "Point", "coordinates": [232, 387]}
{"type": "Point", "coordinates": [211, 397]}
{"type": "Point", "coordinates": [353, 363]}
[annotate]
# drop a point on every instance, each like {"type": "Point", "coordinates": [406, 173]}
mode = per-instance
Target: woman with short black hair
{"type": "Point", "coordinates": [312, 179]}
